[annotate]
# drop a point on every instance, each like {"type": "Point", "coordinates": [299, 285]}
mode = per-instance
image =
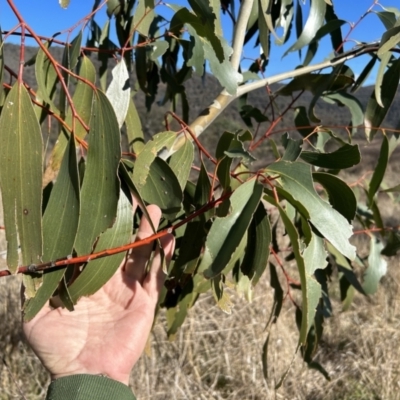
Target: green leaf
{"type": "Point", "coordinates": [310, 288]}
{"type": "Point", "coordinates": [380, 169]}
{"type": "Point", "coordinates": [134, 129]}
{"type": "Point", "coordinates": [200, 30]}
{"type": "Point", "coordinates": [258, 242]}
{"type": "Point", "coordinates": [100, 188]}
{"type": "Point", "coordinates": [226, 233]}
{"type": "Point", "coordinates": [143, 17]}
{"type": "Point", "coordinates": [181, 162]}
{"type": "Point", "coordinates": [385, 59]}
{"type": "Point", "coordinates": [203, 191]}
{"type": "Point", "coordinates": [148, 154]}
{"type": "Point", "coordinates": [21, 177]}
{"type": "Point", "coordinates": [162, 188]}
{"type": "Point", "coordinates": [389, 40]}
{"type": "Point", "coordinates": [345, 268]}
{"type": "Point", "coordinates": [295, 178]}
{"type": "Point", "coordinates": [119, 92]}
{"type": "Point", "coordinates": [60, 222]}
{"type": "Point", "coordinates": [263, 26]}
{"type": "Point", "coordinates": [46, 78]}
{"type": "Point", "coordinates": [352, 103]}
{"type": "Point", "coordinates": [375, 114]}
{"type": "Point", "coordinates": [97, 272]}
{"type": "Point", "coordinates": [278, 294]}
{"type": "Point", "coordinates": [223, 71]}
{"type": "Point", "coordinates": [83, 99]}
{"type": "Point", "coordinates": [345, 157]}
{"type": "Point", "coordinates": [341, 197]}
{"type": "Point", "coordinates": [387, 18]}
{"type": "Point", "coordinates": [313, 23]}
{"type": "Point", "coordinates": [377, 267]}
{"type": "Point", "coordinates": [302, 122]}
{"type": "Point", "coordinates": [364, 74]}
{"type": "Point", "coordinates": [292, 148]}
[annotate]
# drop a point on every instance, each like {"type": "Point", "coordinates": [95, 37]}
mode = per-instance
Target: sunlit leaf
{"type": "Point", "coordinates": [60, 222]}
{"type": "Point", "coordinates": [313, 23]}
{"type": "Point", "coordinates": [98, 272]}
{"type": "Point", "coordinates": [100, 188]}
{"type": "Point", "coordinates": [143, 16]}
{"type": "Point", "coordinates": [296, 179]}
{"type": "Point", "coordinates": [226, 233]}
{"type": "Point", "coordinates": [149, 153]}
{"type": "Point", "coordinates": [341, 197]}
{"type": "Point", "coordinates": [21, 177]}
{"type": "Point", "coordinates": [375, 114]}
{"type": "Point", "coordinates": [181, 162]}
{"type": "Point", "coordinates": [134, 129]}
{"type": "Point", "coordinates": [119, 92]}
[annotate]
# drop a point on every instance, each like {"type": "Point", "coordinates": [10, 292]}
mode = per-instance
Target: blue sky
{"type": "Point", "coordinates": [47, 17]}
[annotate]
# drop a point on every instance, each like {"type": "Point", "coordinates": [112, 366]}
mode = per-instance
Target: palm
{"type": "Point", "coordinates": [107, 332]}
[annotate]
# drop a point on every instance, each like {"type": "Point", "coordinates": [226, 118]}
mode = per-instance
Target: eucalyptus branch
{"type": "Point", "coordinates": [240, 32]}
{"type": "Point", "coordinates": [208, 115]}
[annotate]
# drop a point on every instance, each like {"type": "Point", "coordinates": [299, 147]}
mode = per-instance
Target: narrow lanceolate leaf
{"type": "Point", "coordinates": [377, 267]}
{"type": "Point", "coordinates": [143, 17]}
{"type": "Point", "coordinates": [21, 177]}
{"type": "Point", "coordinates": [296, 180]}
{"type": "Point", "coordinates": [162, 188]}
{"type": "Point", "coordinates": [226, 233]}
{"type": "Point", "coordinates": [83, 99]}
{"type": "Point", "coordinates": [60, 222]}
{"type": "Point", "coordinates": [181, 163]}
{"type": "Point", "coordinates": [375, 114]}
{"type": "Point", "coordinates": [98, 272]}
{"type": "Point", "coordinates": [345, 157]}
{"type": "Point", "coordinates": [46, 78]}
{"type": "Point", "coordinates": [119, 92]}
{"type": "Point", "coordinates": [134, 129]}
{"type": "Point", "coordinates": [380, 169]}
{"type": "Point", "coordinates": [310, 288]}
{"type": "Point", "coordinates": [389, 40]}
{"type": "Point", "coordinates": [385, 59]}
{"type": "Point", "coordinates": [257, 251]}
{"type": "Point", "coordinates": [313, 23]}
{"type": "Point", "coordinates": [100, 188]}
{"type": "Point", "coordinates": [352, 103]}
{"type": "Point", "coordinates": [148, 154]}
{"type": "Point", "coordinates": [341, 197]}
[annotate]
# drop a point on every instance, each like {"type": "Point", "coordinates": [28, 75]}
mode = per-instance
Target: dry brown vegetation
{"type": "Point", "coordinates": [219, 356]}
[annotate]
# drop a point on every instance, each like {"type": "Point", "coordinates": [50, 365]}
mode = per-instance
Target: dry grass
{"type": "Point", "coordinates": [218, 356]}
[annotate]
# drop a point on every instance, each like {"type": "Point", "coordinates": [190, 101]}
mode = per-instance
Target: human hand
{"type": "Point", "coordinates": [107, 332]}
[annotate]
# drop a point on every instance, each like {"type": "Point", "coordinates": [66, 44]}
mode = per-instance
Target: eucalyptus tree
{"type": "Point", "coordinates": [67, 217]}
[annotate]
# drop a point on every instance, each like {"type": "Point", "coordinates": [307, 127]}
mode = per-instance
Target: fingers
{"type": "Point", "coordinates": [154, 280]}
{"type": "Point", "coordinates": [136, 264]}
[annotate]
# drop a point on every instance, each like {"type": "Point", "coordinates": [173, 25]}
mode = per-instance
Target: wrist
{"type": "Point", "coordinates": [115, 377]}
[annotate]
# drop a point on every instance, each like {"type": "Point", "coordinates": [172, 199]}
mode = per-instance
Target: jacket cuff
{"type": "Point", "coordinates": [88, 387]}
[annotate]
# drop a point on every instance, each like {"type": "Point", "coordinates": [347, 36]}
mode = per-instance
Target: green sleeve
{"type": "Point", "coordinates": [88, 387]}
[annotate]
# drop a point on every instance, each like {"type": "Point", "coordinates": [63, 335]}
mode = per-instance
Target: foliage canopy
{"type": "Point", "coordinates": [72, 208]}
